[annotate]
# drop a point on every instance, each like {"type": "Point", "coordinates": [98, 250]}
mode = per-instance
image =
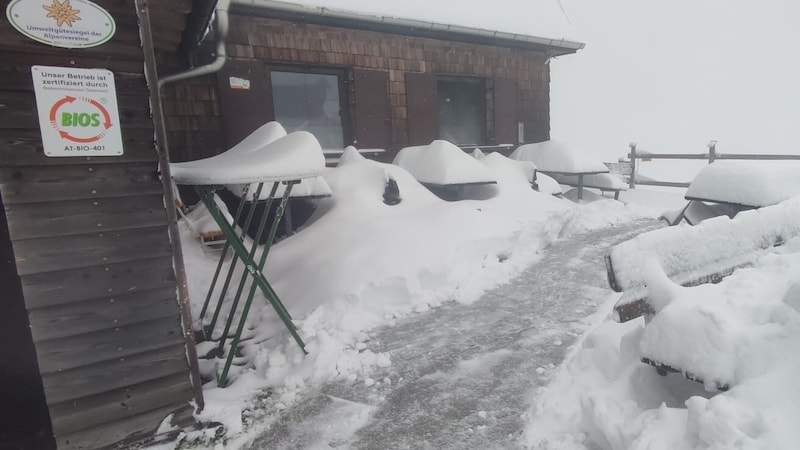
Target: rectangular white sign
{"type": "Point", "coordinates": [78, 114]}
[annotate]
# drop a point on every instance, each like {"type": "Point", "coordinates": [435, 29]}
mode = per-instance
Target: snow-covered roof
{"type": "Point", "coordinates": [295, 156]}
{"type": "Point", "coordinates": [534, 21]}
{"type": "Point", "coordinates": [556, 157]}
{"type": "Point", "coordinates": [442, 163]}
{"type": "Point", "coordinates": [752, 184]}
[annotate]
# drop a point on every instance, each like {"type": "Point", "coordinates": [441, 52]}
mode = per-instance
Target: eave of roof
{"type": "Point", "coordinates": [327, 16]}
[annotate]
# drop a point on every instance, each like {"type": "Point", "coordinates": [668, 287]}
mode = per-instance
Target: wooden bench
{"type": "Point", "coordinates": [689, 263]}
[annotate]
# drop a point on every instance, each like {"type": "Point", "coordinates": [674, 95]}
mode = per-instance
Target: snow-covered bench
{"type": "Point", "coordinates": [690, 256]}
{"type": "Point", "coordinates": [332, 155]}
{"type": "Point", "coordinates": [443, 168]}
{"type": "Point", "coordinates": [603, 182]}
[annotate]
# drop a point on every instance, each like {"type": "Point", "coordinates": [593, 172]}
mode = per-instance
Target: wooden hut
{"type": "Point", "coordinates": [367, 78]}
{"type": "Point", "coordinates": [95, 329]}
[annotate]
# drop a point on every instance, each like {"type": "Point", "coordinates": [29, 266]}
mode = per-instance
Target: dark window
{"type": "Point", "coordinates": [462, 110]}
{"type": "Point", "coordinates": [310, 102]}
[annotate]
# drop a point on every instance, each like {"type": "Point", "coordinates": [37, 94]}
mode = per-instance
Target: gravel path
{"type": "Point", "coordinates": [462, 375]}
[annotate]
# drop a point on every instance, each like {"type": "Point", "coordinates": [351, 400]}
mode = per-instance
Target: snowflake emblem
{"type": "Point", "coordinates": [62, 12]}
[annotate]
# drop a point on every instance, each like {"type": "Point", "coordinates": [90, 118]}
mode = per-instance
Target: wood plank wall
{"type": "Point", "coordinates": [274, 41]}
{"type": "Point", "coordinates": [91, 248]}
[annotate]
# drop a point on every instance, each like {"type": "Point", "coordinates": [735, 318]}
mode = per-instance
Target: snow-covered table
{"type": "Point", "coordinates": [265, 158]}
{"type": "Point", "coordinates": [567, 166]}
{"type": "Point", "coordinates": [443, 167]}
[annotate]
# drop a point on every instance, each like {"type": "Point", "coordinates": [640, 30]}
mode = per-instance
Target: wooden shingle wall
{"type": "Point", "coordinates": [91, 249]}
{"type": "Point", "coordinates": [274, 41]}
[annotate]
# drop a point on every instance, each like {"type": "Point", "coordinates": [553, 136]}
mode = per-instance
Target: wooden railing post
{"type": "Point", "coordinates": [712, 151]}
{"type": "Point", "coordinates": [632, 156]}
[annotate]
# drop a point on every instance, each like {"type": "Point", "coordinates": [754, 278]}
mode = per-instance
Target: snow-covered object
{"type": "Point", "coordinates": [719, 243]}
{"type": "Point", "coordinates": [263, 135]}
{"type": "Point", "coordinates": [295, 156]}
{"type": "Point", "coordinates": [477, 153]}
{"type": "Point", "coordinates": [442, 163]}
{"type": "Point", "coordinates": [554, 156]}
{"type": "Point", "coordinates": [540, 18]}
{"type": "Point", "coordinates": [350, 155]}
{"type": "Point", "coordinates": [597, 180]}
{"type": "Point", "coordinates": [547, 185]}
{"type": "Point", "coordinates": [499, 163]}
{"type": "Point", "coordinates": [308, 187]}
{"type": "Point", "coordinates": [744, 330]}
{"type": "Point", "coordinates": [749, 184]}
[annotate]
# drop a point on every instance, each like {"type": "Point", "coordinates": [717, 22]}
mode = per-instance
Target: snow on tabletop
{"type": "Point", "coordinates": [752, 183]}
{"type": "Point", "coordinates": [308, 187]}
{"type": "Point", "coordinates": [442, 163]}
{"type": "Point", "coordinates": [535, 18]}
{"type": "Point", "coordinates": [744, 330]}
{"type": "Point", "coordinates": [707, 248]}
{"type": "Point", "coordinates": [554, 156]}
{"type": "Point", "coordinates": [598, 180]}
{"type": "Point", "coordinates": [295, 156]}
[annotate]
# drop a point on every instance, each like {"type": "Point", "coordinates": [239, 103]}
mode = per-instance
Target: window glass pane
{"type": "Point", "coordinates": [462, 119]}
{"type": "Point", "coordinates": [310, 102]}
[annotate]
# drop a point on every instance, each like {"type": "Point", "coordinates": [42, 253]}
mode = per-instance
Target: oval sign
{"type": "Point", "coordinates": [62, 23]}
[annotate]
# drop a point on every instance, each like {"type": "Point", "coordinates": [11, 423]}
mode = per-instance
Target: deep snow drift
{"type": "Point", "coordinates": [359, 263]}
{"type": "Point", "coordinates": [743, 332]}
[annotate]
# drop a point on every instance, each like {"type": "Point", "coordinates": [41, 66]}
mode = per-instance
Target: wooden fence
{"type": "Point", "coordinates": [630, 167]}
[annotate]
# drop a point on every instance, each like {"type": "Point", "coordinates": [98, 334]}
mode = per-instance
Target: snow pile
{"type": "Point", "coordinates": [442, 163]}
{"type": "Point", "coordinates": [548, 185]}
{"type": "Point", "coordinates": [751, 184]}
{"type": "Point", "coordinates": [294, 156]}
{"type": "Point", "coordinates": [307, 187]}
{"type": "Point", "coordinates": [687, 253]}
{"type": "Point", "coordinates": [744, 331]}
{"type": "Point", "coordinates": [554, 156]}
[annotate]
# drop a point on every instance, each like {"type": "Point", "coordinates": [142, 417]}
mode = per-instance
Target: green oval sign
{"type": "Point", "coordinates": [62, 23]}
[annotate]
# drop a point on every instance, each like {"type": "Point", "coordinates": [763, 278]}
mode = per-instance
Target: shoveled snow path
{"type": "Point", "coordinates": [462, 375]}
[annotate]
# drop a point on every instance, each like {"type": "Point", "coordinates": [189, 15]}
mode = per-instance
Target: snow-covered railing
{"type": "Point", "coordinates": [630, 166]}
{"type": "Point", "coordinates": [696, 255]}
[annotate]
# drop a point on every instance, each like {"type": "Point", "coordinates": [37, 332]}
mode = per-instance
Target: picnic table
{"type": "Point", "coordinates": [282, 163]}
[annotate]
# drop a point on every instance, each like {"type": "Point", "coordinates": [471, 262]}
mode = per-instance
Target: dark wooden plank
{"type": "Point", "coordinates": [372, 109]}
{"type": "Point", "coordinates": [39, 220]}
{"type": "Point", "coordinates": [505, 111]}
{"type": "Point", "coordinates": [109, 375]}
{"type": "Point", "coordinates": [23, 147]}
{"type": "Point", "coordinates": [88, 412]}
{"type": "Point", "coordinates": [34, 184]}
{"type": "Point", "coordinates": [244, 110]}
{"type": "Point", "coordinates": [85, 250]}
{"type": "Point", "coordinates": [102, 314]}
{"type": "Point", "coordinates": [423, 108]}
{"type": "Point", "coordinates": [22, 60]}
{"type": "Point", "coordinates": [91, 348]}
{"type": "Point", "coordinates": [130, 429]}
{"type": "Point", "coordinates": [19, 110]}
{"type": "Point", "coordinates": [57, 288]}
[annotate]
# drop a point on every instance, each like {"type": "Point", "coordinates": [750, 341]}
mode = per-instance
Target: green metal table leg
{"type": "Point", "coordinates": [221, 261]}
{"type": "Point", "coordinates": [261, 226]}
{"type": "Point", "coordinates": [209, 201]}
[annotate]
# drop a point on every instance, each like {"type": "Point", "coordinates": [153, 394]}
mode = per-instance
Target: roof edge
{"type": "Point", "coordinates": [412, 26]}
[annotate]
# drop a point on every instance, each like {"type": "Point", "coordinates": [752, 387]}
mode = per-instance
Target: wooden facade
{"type": "Point", "coordinates": [391, 78]}
{"type": "Point", "coordinates": [95, 348]}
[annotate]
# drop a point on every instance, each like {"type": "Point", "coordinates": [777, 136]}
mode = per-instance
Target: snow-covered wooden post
{"type": "Point", "coordinates": [712, 151]}
{"type": "Point", "coordinates": [632, 156]}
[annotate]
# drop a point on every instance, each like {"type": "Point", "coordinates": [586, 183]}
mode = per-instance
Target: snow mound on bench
{"type": "Point", "coordinates": [442, 163]}
{"type": "Point", "coordinates": [555, 156]}
{"type": "Point", "coordinates": [597, 180]}
{"type": "Point", "coordinates": [752, 184]}
{"type": "Point", "coordinates": [686, 253]}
